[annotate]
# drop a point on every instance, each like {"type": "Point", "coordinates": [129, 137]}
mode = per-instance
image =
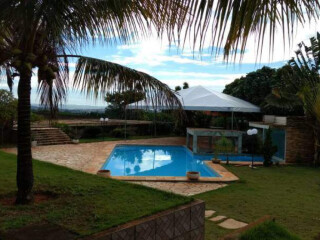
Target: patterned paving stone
{"type": "Point", "coordinates": [209, 213]}
{"type": "Point", "coordinates": [182, 188]}
{"type": "Point", "coordinates": [217, 218]}
{"type": "Point", "coordinates": [232, 224]}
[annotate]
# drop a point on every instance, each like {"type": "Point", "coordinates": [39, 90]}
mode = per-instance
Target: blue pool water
{"type": "Point", "coordinates": [173, 161]}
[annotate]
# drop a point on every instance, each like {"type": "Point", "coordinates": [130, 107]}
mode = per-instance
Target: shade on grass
{"type": "Point", "coordinates": [289, 193]}
{"type": "Point", "coordinates": [268, 231]}
{"type": "Point", "coordinates": [84, 203]}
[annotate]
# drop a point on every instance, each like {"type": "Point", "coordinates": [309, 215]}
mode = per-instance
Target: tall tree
{"type": "Point", "coordinates": [256, 88]}
{"type": "Point", "coordinates": [253, 87]}
{"type": "Point", "coordinates": [177, 88]}
{"type": "Point", "coordinates": [43, 34]}
{"type": "Point", "coordinates": [185, 85]}
{"type": "Point", "coordinates": [8, 110]}
{"type": "Point", "coordinates": [119, 100]}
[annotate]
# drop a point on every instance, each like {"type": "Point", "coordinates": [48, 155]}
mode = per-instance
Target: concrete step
{"type": "Point", "coordinates": [50, 136]}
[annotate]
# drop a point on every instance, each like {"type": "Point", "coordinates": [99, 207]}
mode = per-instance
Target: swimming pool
{"type": "Point", "coordinates": [167, 161]}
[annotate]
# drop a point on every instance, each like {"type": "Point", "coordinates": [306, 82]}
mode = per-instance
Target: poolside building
{"type": "Point", "coordinates": [292, 135]}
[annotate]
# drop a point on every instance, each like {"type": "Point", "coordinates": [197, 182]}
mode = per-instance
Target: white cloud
{"type": "Point", "coordinates": [153, 52]}
{"type": "Point", "coordinates": [155, 60]}
{"type": "Point", "coordinates": [212, 80]}
{"type": "Point", "coordinates": [196, 74]}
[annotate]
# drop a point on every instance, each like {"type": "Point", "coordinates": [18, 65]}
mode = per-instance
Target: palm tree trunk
{"type": "Point", "coordinates": [24, 159]}
{"type": "Point", "coordinates": [316, 148]}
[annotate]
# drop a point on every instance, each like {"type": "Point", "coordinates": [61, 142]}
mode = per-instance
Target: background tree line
{"type": "Point", "coordinates": [257, 87]}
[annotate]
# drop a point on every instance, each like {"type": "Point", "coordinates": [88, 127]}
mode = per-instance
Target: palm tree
{"type": "Point", "coordinates": [44, 34]}
{"type": "Point", "coordinates": [301, 87]}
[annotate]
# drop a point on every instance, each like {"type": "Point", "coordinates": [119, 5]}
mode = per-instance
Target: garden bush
{"type": "Point", "coordinates": [120, 133]}
{"type": "Point", "coordinates": [36, 117]}
{"type": "Point", "coordinates": [268, 231]}
{"type": "Point", "coordinates": [91, 132]}
{"type": "Point", "coordinates": [268, 149]}
{"type": "Point", "coordinates": [64, 127]}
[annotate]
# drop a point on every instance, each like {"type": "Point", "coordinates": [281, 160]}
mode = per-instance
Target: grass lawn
{"type": "Point", "coordinates": [84, 203]}
{"type": "Point", "coordinates": [289, 193]}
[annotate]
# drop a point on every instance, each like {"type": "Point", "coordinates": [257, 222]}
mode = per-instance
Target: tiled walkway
{"type": "Point", "coordinates": [89, 157]}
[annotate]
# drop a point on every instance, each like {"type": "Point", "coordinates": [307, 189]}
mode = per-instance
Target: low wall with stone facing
{"type": "Point", "coordinates": [299, 141]}
{"type": "Point", "coordinates": [182, 223]}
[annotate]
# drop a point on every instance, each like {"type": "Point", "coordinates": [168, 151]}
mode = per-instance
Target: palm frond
{"type": "Point", "coordinates": [304, 76]}
{"type": "Point", "coordinates": [53, 78]}
{"type": "Point", "coordinates": [232, 22]}
{"type": "Point", "coordinates": [97, 78]}
{"type": "Point", "coordinates": [282, 100]}
{"type": "Point", "coordinates": [227, 24]}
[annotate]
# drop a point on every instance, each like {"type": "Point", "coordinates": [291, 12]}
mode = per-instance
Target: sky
{"type": "Point", "coordinates": [174, 66]}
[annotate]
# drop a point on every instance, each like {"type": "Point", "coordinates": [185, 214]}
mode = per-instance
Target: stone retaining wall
{"type": "Point", "coordinates": [181, 223]}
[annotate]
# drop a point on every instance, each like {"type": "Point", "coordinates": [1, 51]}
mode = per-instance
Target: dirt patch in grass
{"type": "Point", "coordinates": [38, 197]}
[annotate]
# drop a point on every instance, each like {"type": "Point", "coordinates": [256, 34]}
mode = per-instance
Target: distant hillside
{"type": "Point", "coordinates": [73, 108]}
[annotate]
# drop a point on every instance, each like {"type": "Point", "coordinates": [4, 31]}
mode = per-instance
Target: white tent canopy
{"type": "Point", "coordinates": [200, 98]}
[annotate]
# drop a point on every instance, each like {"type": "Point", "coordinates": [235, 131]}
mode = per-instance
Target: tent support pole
{"type": "Point", "coordinates": [232, 120]}
{"type": "Point", "coordinates": [155, 122]}
{"type": "Point", "coordinates": [125, 122]}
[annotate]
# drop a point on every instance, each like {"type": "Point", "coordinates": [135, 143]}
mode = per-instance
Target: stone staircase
{"type": "Point", "coordinates": [50, 136]}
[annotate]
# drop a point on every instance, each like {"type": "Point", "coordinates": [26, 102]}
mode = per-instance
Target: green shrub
{"type": "Point", "coordinates": [201, 119]}
{"type": "Point", "coordinates": [75, 133]}
{"type": "Point", "coordinates": [91, 132]}
{"type": "Point", "coordinates": [36, 117]}
{"type": "Point", "coordinates": [252, 144]}
{"type": "Point", "coordinates": [64, 127]}
{"type": "Point", "coordinates": [269, 230]}
{"type": "Point", "coordinates": [225, 146]}
{"type": "Point", "coordinates": [219, 121]}
{"type": "Point", "coordinates": [268, 149]}
{"type": "Point", "coordinates": [119, 133]}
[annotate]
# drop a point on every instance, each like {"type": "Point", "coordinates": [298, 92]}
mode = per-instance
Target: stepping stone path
{"type": "Point", "coordinates": [227, 224]}
{"type": "Point", "coordinates": [209, 213]}
{"type": "Point", "coordinates": [217, 218]}
{"type": "Point", "coordinates": [232, 224]}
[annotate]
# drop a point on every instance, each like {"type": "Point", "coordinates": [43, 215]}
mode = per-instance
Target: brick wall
{"type": "Point", "coordinates": [181, 223]}
{"type": "Point", "coordinates": [299, 141]}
